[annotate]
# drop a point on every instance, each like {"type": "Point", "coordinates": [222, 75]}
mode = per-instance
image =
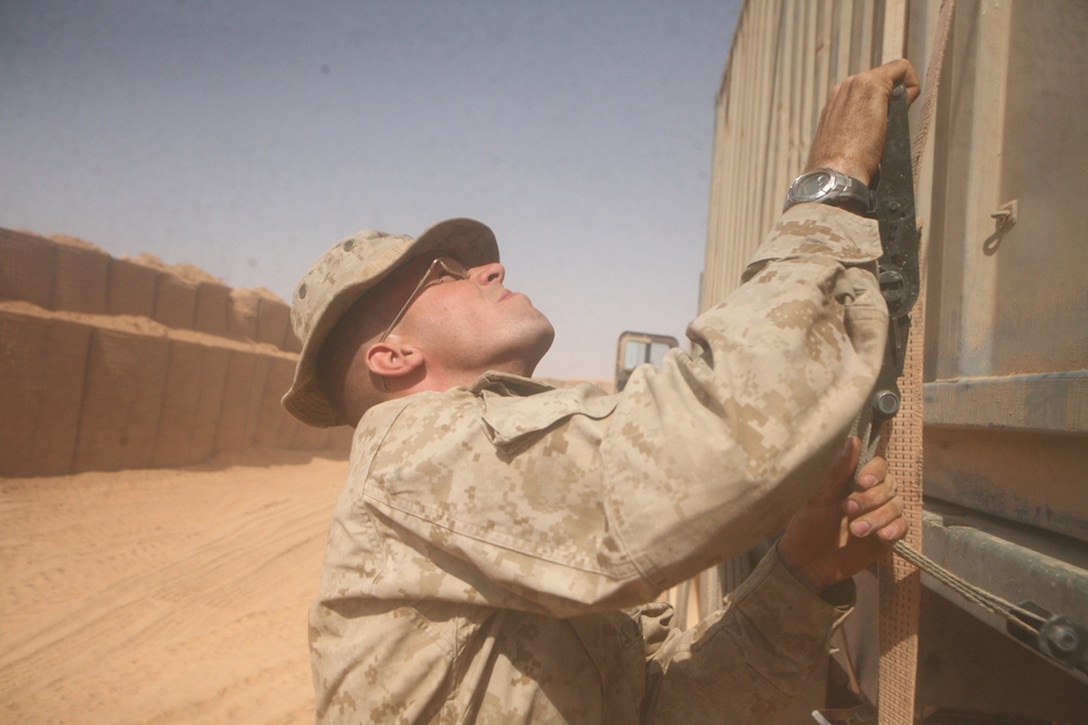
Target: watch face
{"type": "Point", "coordinates": [813, 185]}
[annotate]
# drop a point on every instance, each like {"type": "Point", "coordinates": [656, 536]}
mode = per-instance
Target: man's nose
{"type": "Point", "coordinates": [488, 273]}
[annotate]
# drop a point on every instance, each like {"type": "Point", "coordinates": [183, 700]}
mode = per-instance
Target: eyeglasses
{"type": "Point", "coordinates": [440, 267]}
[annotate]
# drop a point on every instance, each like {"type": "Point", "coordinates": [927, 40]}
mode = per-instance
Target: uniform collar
{"type": "Point", "coordinates": [508, 384]}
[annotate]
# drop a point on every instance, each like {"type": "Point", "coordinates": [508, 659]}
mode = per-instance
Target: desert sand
{"type": "Point", "coordinates": [163, 596]}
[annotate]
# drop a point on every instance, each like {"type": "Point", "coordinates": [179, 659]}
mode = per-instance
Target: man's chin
{"type": "Point", "coordinates": [546, 340]}
{"type": "Point", "coordinates": [534, 352]}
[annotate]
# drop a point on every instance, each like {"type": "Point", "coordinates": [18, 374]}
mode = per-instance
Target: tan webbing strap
{"type": "Point", "coordinates": [900, 580]}
{"type": "Point", "coordinates": [931, 83]}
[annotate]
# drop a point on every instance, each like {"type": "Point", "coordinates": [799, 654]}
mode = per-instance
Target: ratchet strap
{"type": "Point", "coordinates": [892, 425]}
{"type": "Point", "coordinates": [899, 580]}
{"type": "Point", "coordinates": [900, 285]}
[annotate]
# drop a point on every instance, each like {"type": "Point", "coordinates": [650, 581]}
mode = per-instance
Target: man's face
{"type": "Point", "coordinates": [470, 325]}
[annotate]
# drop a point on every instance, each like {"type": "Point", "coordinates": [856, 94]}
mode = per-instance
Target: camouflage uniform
{"type": "Point", "coordinates": [489, 537]}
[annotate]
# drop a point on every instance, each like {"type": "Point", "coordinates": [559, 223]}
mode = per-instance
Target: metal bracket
{"type": "Point", "coordinates": [863, 714]}
{"type": "Point", "coordinates": [1006, 215]}
{"type": "Point", "coordinates": [1004, 218]}
{"type": "Point", "coordinates": [1058, 637]}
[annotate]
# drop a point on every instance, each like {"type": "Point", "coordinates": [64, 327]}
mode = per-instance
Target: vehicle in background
{"type": "Point", "coordinates": [636, 348]}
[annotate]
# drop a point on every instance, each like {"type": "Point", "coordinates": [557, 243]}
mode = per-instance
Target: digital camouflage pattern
{"type": "Point", "coordinates": [343, 275]}
{"type": "Point", "coordinates": [488, 537]}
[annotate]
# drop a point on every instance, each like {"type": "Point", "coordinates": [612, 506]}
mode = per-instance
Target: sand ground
{"type": "Point", "coordinates": [163, 596]}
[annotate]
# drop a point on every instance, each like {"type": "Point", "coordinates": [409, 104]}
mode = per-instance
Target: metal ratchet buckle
{"type": "Point", "coordinates": [898, 266]}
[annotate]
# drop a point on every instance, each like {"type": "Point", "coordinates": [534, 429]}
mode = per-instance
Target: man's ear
{"type": "Point", "coordinates": [389, 360]}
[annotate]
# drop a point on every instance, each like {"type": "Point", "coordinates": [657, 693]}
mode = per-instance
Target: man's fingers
{"type": "Point", "coordinates": [894, 531]}
{"type": "Point", "coordinates": [901, 71]}
{"type": "Point", "coordinates": [873, 472]}
{"type": "Point", "coordinates": [887, 519]}
{"type": "Point", "coordinates": [885, 77]}
{"type": "Point", "coordinates": [871, 494]}
{"type": "Point", "coordinates": [850, 135]}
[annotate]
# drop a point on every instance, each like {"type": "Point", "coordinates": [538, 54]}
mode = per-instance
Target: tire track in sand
{"type": "Point", "coordinates": [166, 597]}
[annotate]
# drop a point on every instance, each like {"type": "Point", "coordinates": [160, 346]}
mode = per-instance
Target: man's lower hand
{"type": "Point", "coordinates": [842, 530]}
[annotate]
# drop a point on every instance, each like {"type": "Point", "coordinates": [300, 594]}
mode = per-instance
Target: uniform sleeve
{"type": "Point", "coordinates": [568, 502]}
{"type": "Point", "coordinates": [707, 455]}
{"type": "Point", "coordinates": [747, 662]}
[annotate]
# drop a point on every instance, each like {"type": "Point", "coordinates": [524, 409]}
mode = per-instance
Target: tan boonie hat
{"type": "Point", "coordinates": [342, 275]}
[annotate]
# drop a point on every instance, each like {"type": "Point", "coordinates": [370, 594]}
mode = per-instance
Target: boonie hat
{"type": "Point", "coordinates": [342, 276]}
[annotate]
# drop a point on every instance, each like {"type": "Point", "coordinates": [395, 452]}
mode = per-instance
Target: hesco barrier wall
{"type": "Point", "coordinates": [111, 363]}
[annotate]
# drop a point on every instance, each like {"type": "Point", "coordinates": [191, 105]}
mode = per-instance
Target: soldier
{"type": "Point", "coordinates": [494, 549]}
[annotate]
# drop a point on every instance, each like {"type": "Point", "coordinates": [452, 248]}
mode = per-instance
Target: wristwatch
{"type": "Point", "coordinates": [827, 186]}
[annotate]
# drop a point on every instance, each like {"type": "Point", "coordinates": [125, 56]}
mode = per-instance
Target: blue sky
{"type": "Point", "coordinates": [246, 137]}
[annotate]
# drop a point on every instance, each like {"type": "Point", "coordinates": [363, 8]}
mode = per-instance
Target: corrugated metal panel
{"type": "Point", "coordinates": [1006, 326]}
{"type": "Point", "coordinates": [786, 56]}
{"type": "Point", "coordinates": [1002, 303]}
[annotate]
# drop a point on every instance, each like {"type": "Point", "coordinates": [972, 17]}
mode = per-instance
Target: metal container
{"type": "Point", "coordinates": [1002, 196]}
